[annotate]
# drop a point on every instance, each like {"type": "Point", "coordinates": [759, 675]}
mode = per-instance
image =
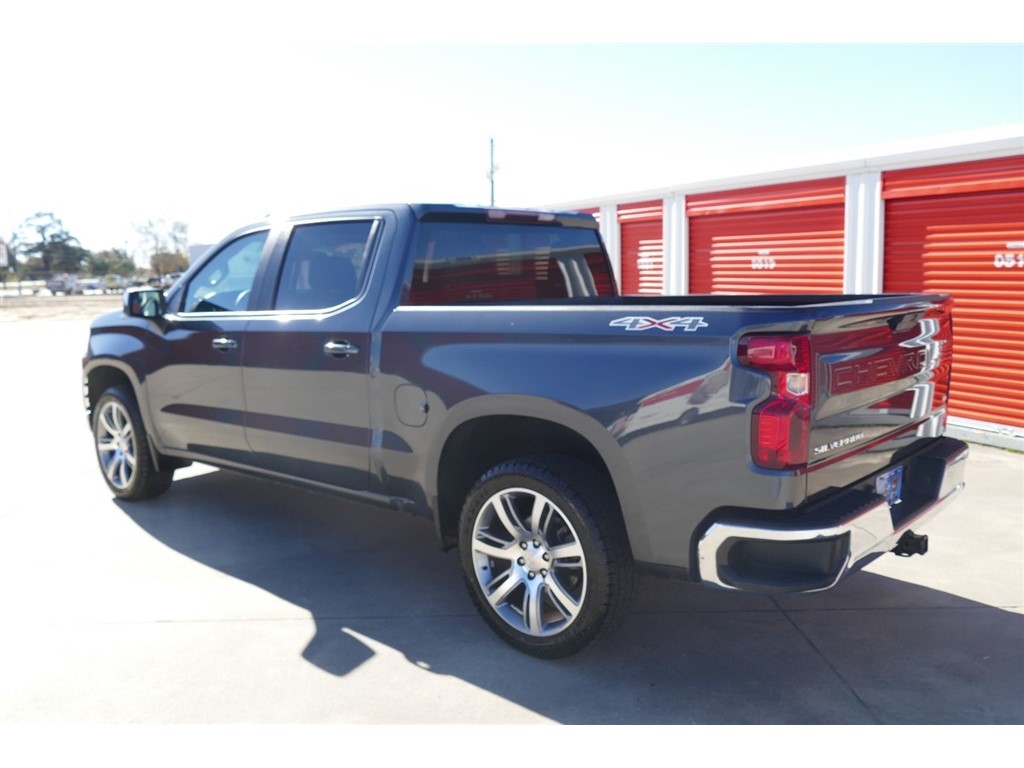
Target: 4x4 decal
{"type": "Point", "coordinates": [664, 324]}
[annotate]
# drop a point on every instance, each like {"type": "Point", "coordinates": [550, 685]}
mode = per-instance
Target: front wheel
{"type": "Point", "coordinates": [545, 554]}
{"type": "Point", "coordinates": [123, 449]}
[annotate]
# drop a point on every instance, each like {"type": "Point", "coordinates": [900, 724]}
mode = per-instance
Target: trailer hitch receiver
{"type": "Point", "coordinates": [911, 543]}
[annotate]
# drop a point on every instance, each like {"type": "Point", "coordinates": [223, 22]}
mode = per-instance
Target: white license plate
{"type": "Point", "coordinates": [890, 486]}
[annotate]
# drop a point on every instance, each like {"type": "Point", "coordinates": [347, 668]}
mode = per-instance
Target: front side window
{"type": "Point", "coordinates": [324, 265]}
{"type": "Point", "coordinates": [458, 262]}
{"type": "Point", "coordinates": [224, 284]}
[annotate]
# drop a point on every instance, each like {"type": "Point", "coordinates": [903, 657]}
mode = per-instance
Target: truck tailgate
{"type": "Point", "coordinates": [848, 395]}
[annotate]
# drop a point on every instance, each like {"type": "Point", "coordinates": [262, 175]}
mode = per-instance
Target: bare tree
{"type": "Point", "coordinates": [179, 238]}
{"type": "Point", "coordinates": [153, 236]}
{"type": "Point", "coordinates": [160, 238]}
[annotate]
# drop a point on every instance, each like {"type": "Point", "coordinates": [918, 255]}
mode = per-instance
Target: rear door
{"type": "Point", "coordinates": [307, 360]}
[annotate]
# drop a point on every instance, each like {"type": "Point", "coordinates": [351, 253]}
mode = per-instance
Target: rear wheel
{"type": "Point", "coordinates": [545, 554]}
{"type": "Point", "coordinates": [123, 449]}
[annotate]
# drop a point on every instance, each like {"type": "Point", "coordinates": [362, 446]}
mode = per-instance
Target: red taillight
{"type": "Point", "coordinates": [781, 424]}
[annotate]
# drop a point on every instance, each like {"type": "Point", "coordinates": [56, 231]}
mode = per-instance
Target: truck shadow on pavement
{"type": "Point", "coordinates": [874, 650]}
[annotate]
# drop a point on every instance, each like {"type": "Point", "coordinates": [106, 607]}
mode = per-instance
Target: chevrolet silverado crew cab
{"type": "Point", "coordinates": [477, 366]}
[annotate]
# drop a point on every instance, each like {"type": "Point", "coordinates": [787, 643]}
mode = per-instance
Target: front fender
{"type": "Point", "coordinates": [116, 353]}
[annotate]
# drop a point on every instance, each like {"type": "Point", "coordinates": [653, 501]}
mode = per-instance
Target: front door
{"type": "Point", "coordinates": [194, 386]}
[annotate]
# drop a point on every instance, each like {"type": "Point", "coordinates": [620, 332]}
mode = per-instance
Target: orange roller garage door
{"type": "Point", "coordinates": [642, 248]}
{"type": "Point", "coordinates": [959, 229]}
{"type": "Point", "coordinates": [783, 238]}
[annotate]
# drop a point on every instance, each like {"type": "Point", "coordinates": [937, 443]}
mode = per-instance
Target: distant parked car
{"type": "Point", "coordinates": [63, 284]}
{"type": "Point", "coordinates": [163, 282]}
{"type": "Point", "coordinates": [114, 284]}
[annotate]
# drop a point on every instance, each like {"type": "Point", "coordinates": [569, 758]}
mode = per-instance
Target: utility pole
{"type": "Point", "coordinates": [490, 172]}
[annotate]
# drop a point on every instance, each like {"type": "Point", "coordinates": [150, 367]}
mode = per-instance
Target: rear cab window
{"type": "Point", "coordinates": [461, 261]}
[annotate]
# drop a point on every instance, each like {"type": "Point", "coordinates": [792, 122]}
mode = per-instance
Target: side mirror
{"type": "Point", "coordinates": [144, 302]}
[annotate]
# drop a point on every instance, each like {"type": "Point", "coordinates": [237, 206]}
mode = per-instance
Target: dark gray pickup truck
{"type": "Point", "coordinates": [476, 366]}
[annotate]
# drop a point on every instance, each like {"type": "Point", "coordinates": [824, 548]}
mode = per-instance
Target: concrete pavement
{"type": "Point", "coordinates": [234, 600]}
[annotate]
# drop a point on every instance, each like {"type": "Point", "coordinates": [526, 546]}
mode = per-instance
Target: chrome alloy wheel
{"type": "Point", "coordinates": [115, 444]}
{"type": "Point", "coordinates": [529, 562]}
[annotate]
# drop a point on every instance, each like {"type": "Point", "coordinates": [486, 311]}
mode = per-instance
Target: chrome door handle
{"type": "Point", "coordinates": [223, 343]}
{"type": "Point", "coordinates": [340, 349]}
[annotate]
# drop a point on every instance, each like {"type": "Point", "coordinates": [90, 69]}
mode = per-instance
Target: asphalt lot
{"type": "Point", "coordinates": [237, 601]}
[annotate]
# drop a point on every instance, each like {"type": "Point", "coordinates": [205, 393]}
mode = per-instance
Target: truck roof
{"type": "Point", "coordinates": [449, 212]}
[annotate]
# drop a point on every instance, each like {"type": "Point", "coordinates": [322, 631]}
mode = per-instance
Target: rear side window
{"type": "Point", "coordinates": [324, 265]}
{"type": "Point", "coordinates": [465, 262]}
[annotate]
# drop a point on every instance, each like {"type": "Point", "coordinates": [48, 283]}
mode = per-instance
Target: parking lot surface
{"type": "Point", "coordinates": [235, 600]}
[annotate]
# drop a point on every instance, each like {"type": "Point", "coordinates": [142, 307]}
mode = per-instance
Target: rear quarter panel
{"type": "Point", "coordinates": [572, 366]}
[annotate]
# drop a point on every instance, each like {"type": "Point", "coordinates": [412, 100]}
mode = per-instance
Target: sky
{"type": "Point", "coordinates": [218, 114]}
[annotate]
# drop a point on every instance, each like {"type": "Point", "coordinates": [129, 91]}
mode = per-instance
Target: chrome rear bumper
{"type": "Point", "coordinates": [818, 548]}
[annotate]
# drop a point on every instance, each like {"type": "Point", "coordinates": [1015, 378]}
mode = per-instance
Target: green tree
{"type": "Point", "coordinates": [165, 263]}
{"type": "Point", "coordinates": [111, 262]}
{"type": "Point", "coordinates": [47, 246]}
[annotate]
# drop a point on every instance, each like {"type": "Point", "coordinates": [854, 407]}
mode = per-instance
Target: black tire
{"type": "Point", "coordinates": [122, 448]}
{"type": "Point", "coordinates": [545, 555]}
